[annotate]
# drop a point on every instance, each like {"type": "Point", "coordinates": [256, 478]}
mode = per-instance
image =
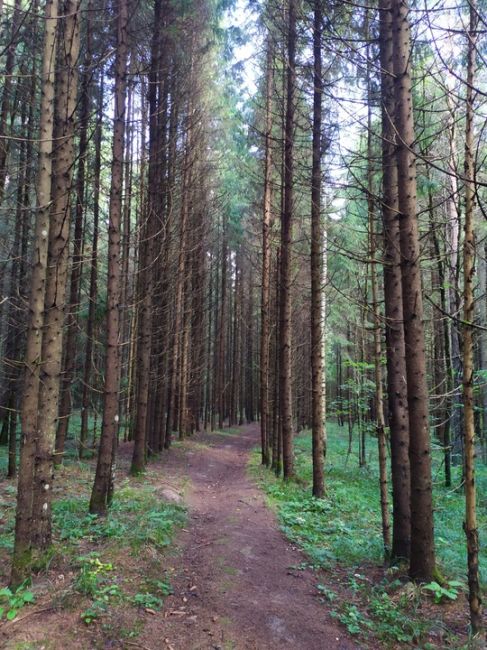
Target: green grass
{"type": "Point", "coordinates": [137, 517]}
{"type": "Point", "coordinates": [140, 524]}
{"type": "Point", "coordinates": [344, 530]}
{"type": "Point", "coordinates": [346, 526]}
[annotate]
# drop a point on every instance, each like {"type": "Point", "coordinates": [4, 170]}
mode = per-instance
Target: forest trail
{"type": "Point", "coordinates": [234, 585]}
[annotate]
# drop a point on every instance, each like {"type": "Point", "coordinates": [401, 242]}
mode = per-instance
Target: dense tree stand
{"type": "Point", "coordinates": [239, 223]}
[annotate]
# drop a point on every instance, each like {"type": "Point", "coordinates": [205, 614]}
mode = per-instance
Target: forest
{"type": "Point", "coordinates": [243, 324]}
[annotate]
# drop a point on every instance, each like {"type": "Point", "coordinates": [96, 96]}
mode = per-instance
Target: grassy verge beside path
{"type": "Point", "coordinates": [342, 535]}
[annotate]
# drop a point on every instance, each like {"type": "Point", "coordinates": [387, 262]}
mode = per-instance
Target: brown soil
{"type": "Point", "coordinates": [230, 568]}
{"type": "Point", "coordinates": [234, 583]}
{"type": "Point", "coordinates": [232, 571]}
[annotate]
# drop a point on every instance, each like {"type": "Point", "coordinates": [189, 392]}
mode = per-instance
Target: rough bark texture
{"type": "Point", "coordinates": [102, 487]}
{"type": "Point", "coordinates": [23, 521]}
{"type": "Point", "coordinates": [376, 317]}
{"type": "Point", "coordinates": [470, 526]}
{"type": "Point", "coordinates": [55, 298]}
{"type": "Point", "coordinates": [396, 358]}
{"type": "Point", "coordinates": [6, 104]}
{"type": "Point", "coordinates": [77, 264]}
{"type": "Point", "coordinates": [318, 430]}
{"type": "Point", "coordinates": [285, 327]}
{"type": "Point", "coordinates": [266, 256]}
{"type": "Point", "coordinates": [146, 262]}
{"type": "Point", "coordinates": [93, 291]}
{"type": "Point", "coordinates": [422, 557]}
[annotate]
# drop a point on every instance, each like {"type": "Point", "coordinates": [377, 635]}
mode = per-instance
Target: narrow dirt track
{"type": "Point", "coordinates": [235, 587]}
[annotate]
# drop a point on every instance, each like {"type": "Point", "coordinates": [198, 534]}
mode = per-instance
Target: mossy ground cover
{"type": "Point", "coordinates": [342, 534]}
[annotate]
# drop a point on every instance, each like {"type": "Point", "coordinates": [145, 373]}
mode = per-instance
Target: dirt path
{"type": "Point", "coordinates": [234, 583]}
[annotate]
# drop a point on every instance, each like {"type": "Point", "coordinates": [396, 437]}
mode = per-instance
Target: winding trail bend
{"type": "Point", "coordinates": [234, 583]}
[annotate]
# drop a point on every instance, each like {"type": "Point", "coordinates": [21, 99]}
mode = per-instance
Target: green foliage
{"type": "Point", "coordinates": [391, 620]}
{"type": "Point", "coordinates": [449, 591]}
{"type": "Point", "coordinates": [91, 614]}
{"type": "Point", "coordinates": [138, 519]}
{"type": "Point", "coordinates": [71, 519]}
{"type": "Point", "coordinates": [327, 593]}
{"type": "Point", "coordinates": [147, 601]}
{"type": "Point", "coordinates": [96, 582]}
{"type": "Point", "coordinates": [93, 581]}
{"type": "Point", "coordinates": [156, 519]}
{"type": "Point", "coordinates": [337, 529]}
{"type": "Point", "coordinates": [13, 601]}
{"type": "Point", "coordinates": [92, 574]}
{"type": "Point", "coordinates": [352, 618]}
{"type": "Point", "coordinates": [346, 526]}
{"type": "Point", "coordinates": [160, 587]}
{"type": "Point", "coordinates": [345, 529]}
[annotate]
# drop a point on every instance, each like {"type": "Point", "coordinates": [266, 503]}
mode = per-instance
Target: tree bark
{"type": "Point", "coordinates": [57, 270]}
{"type": "Point", "coordinates": [379, 392]}
{"type": "Point", "coordinates": [470, 525]}
{"type": "Point", "coordinates": [93, 291]}
{"type": "Point", "coordinates": [422, 557]}
{"type": "Point", "coordinates": [266, 254]}
{"type": "Point", "coordinates": [6, 104]}
{"type": "Point", "coordinates": [396, 356]}
{"type": "Point", "coordinates": [102, 487]}
{"type": "Point", "coordinates": [285, 366]}
{"type": "Point", "coordinates": [318, 430]}
{"type": "Point", "coordinates": [23, 520]}
{"type": "Point", "coordinates": [72, 319]}
{"type": "Point", "coordinates": [145, 282]}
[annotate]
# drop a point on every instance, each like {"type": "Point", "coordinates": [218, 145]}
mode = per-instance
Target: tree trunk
{"type": "Point", "coordinates": [266, 254]}
{"type": "Point", "coordinates": [422, 557]}
{"type": "Point", "coordinates": [318, 430]}
{"type": "Point", "coordinates": [285, 366]}
{"type": "Point", "coordinates": [453, 220]}
{"type": "Point", "coordinates": [379, 392]}
{"type": "Point", "coordinates": [6, 99]}
{"type": "Point", "coordinates": [145, 282]}
{"type": "Point", "coordinates": [396, 356]}
{"type": "Point", "coordinates": [23, 522]}
{"type": "Point", "coordinates": [102, 487]}
{"type": "Point", "coordinates": [57, 269]}
{"type": "Point", "coordinates": [72, 324]}
{"type": "Point", "coordinates": [93, 291]}
{"type": "Point", "coordinates": [470, 526]}
{"type": "Point", "coordinates": [221, 331]}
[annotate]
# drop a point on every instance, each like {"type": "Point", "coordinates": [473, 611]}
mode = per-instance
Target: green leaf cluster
{"type": "Point", "coordinates": [11, 601]}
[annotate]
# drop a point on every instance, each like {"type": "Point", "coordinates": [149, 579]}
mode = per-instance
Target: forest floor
{"type": "Point", "coordinates": [235, 572]}
{"type": "Point", "coordinates": [229, 568]}
{"type": "Point", "coordinates": [192, 557]}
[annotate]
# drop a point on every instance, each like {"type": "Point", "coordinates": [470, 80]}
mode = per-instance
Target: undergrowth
{"type": "Point", "coordinates": [343, 531]}
{"type": "Point", "coordinates": [137, 517]}
{"type": "Point", "coordinates": [95, 550]}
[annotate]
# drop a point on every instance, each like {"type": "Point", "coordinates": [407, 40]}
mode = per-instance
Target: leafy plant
{"type": "Point", "coordinates": [13, 601]}
{"type": "Point", "coordinates": [440, 593]}
{"type": "Point", "coordinates": [92, 613]}
{"type": "Point", "coordinates": [390, 622]}
{"type": "Point", "coordinates": [91, 575]}
{"type": "Point", "coordinates": [327, 593]}
{"type": "Point", "coordinates": [148, 601]}
{"type": "Point", "coordinates": [92, 582]}
{"type": "Point", "coordinates": [162, 587]}
{"type": "Point", "coordinates": [352, 618]}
